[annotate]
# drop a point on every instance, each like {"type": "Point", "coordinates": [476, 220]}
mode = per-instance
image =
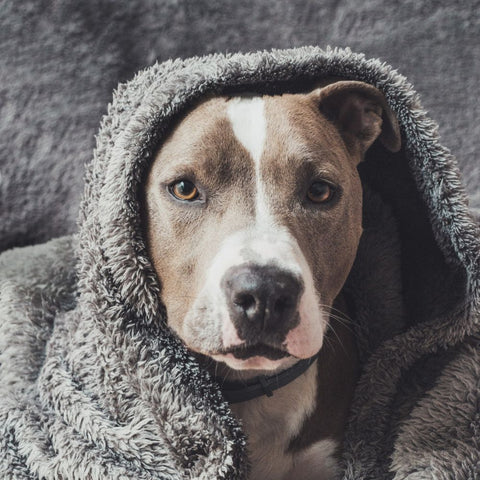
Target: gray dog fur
{"type": "Point", "coordinates": [61, 61]}
{"type": "Point", "coordinates": [94, 386]}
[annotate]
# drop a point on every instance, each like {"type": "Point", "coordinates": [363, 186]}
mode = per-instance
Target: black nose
{"type": "Point", "coordinates": [262, 299]}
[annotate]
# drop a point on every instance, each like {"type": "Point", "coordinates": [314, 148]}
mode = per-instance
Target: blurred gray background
{"type": "Point", "coordinates": [60, 61]}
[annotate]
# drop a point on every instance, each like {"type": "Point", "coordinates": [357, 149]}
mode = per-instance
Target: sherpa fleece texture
{"type": "Point", "coordinates": [93, 384]}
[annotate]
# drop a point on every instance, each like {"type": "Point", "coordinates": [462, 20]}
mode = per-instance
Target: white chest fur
{"type": "Point", "coordinates": [271, 423]}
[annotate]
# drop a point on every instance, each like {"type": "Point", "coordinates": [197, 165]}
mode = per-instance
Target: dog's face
{"type": "Point", "coordinates": [254, 208]}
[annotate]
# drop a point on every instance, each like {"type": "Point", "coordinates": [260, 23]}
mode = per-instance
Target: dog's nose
{"type": "Point", "coordinates": [262, 298]}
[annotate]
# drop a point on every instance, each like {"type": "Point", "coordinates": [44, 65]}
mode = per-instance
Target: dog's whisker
{"type": "Point", "coordinates": [340, 312]}
{"type": "Point", "coordinates": [343, 323]}
{"type": "Point", "coordinates": [329, 343]}
{"type": "Point", "coordinates": [225, 377]}
{"type": "Point", "coordinates": [340, 343]}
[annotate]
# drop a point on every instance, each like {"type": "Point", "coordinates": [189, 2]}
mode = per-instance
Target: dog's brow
{"type": "Point", "coordinates": [317, 163]}
{"type": "Point", "coordinates": [318, 155]}
{"type": "Point", "coordinates": [169, 173]}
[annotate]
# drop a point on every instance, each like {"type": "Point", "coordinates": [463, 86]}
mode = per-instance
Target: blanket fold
{"type": "Point", "coordinates": [93, 385]}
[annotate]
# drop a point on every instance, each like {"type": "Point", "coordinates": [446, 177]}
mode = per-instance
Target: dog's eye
{"type": "Point", "coordinates": [320, 192]}
{"type": "Point", "coordinates": [184, 190]}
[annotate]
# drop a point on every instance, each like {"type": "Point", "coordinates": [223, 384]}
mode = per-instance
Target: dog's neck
{"type": "Point", "coordinates": [297, 432]}
{"type": "Point", "coordinates": [271, 423]}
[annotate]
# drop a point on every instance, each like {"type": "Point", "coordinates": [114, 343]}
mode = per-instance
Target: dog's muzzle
{"type": "Point", "coordinates": [258, 304]}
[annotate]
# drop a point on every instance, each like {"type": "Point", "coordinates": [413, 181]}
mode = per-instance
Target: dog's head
{"type": "Point", "coordinates": [254, 208]}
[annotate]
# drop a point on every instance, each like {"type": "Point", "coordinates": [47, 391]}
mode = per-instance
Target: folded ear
{"type": "Point", "coordinates": [361, 113]}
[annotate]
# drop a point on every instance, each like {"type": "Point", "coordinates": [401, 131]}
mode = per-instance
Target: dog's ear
{"type": "Point", "coordinates": [361, 113]}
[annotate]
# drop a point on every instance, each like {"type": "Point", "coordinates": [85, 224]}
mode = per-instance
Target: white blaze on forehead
{"type": "Point", "coordinates": [247, 116]}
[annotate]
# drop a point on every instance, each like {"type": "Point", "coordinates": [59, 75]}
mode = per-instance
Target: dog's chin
{"type": "Point", "coordinates": [257, 357]}
{"type": "Point", "coordinates": [244, 351]}
{"type": "Point", "coordinates": [252, 363]}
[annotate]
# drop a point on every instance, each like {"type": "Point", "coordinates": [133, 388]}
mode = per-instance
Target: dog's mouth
{"type": "Point", "coordinates": [244, 352]}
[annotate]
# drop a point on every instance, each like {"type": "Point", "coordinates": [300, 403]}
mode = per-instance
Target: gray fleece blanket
{"type": "Point", "coordinates": [60, 61]}
{"type": "Point", "coordinates": [92, 383]}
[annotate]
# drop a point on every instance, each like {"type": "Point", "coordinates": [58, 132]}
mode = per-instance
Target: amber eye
{"type": "Point", "coordinates": [184, 190]}
{"type": "Point", "coordinates": [320, 192]}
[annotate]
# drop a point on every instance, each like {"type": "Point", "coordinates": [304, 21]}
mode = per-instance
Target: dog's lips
{"type": "Point", "coordinates": [244, 352]}
{"type": "Point", "coordinates": [255, 362]}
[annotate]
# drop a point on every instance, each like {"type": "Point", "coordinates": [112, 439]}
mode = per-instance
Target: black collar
{"type": "Point", "coordinates": [236, 392]}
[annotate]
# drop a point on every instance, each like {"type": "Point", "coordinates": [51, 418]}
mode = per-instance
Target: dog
{"type": "Point", "coordinates": [253, 211]}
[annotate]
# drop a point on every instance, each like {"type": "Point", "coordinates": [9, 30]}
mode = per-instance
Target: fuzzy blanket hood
{"type": "Point", "coordinates": [94, 386]}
